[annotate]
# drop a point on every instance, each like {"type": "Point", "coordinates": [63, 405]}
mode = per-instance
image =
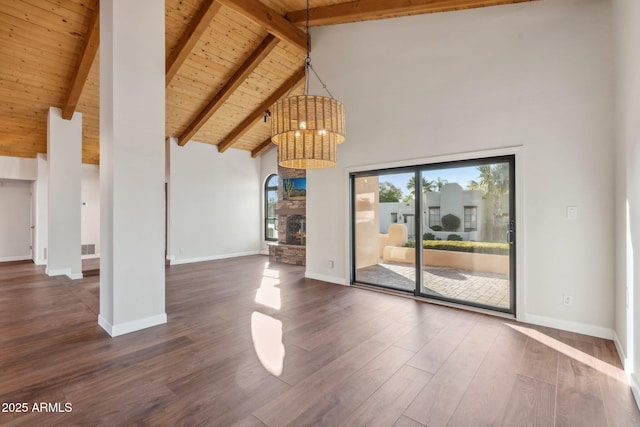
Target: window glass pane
{"type": "Point", "coordinates": [272, 181]}
{"type": "Point", "coordinates": [466, 257]}
{"type": "Point", "coordinates": [385, 229]}
{"type": "Point", "coordinates": [271, 204]}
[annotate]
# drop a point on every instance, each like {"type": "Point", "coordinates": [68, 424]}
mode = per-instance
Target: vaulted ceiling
{"type": "Point", "coordinates": [227, 62]}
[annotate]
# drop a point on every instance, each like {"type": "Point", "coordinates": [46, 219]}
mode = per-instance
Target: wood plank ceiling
{"type": "Point", "coordinates": [227, 62]}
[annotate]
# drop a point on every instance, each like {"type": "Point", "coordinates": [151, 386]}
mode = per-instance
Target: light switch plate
{"type": "Point", "coordinates": [572, 212]}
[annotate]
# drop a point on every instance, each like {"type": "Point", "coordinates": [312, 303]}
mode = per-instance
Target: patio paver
{"type": "Point", "coordinates": [473, 286]}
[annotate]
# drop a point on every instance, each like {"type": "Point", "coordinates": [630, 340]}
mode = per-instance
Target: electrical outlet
{"type": "Point", "coordinates": [567, 300]}
{"type": "Point", "coordinates": [330, 263]}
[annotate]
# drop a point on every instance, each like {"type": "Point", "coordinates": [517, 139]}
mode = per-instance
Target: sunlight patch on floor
{"type": "Point", "coordinates": [266, 333]}
{"type": "Point", "coordinates": [268, 294]}
{"type": "Point", "coordinates": [572, 352]}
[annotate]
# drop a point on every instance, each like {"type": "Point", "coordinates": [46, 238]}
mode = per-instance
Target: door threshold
{"type": "Point", "coordinates": [449, 304]}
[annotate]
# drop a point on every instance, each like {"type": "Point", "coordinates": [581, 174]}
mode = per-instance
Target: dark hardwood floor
{"type": "Point", "coordinates": [250, 343]}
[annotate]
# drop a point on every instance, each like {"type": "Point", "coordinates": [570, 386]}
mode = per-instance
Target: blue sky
{"type": "Point", "coordinates": [460, 175]}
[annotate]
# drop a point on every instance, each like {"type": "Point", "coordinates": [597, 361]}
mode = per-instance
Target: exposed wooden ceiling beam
{"type": "Point", "coordinates": [187, 42]}
{"type": "Point", "coordinates": [232, 84]}
{"type": "Point", "coordinates": [79, 78]}
{"type": "Point", "coordinates": [264, 146]}
{"type": "Point", "coordinates": [270, 20]}
{"type": "Point", "coordinates": [363, 10]}
{"type": "Point", "coordinates": [258, 113]}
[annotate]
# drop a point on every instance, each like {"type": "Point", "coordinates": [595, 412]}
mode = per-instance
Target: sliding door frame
{"type": "Point", "coordinates": [417, 168]}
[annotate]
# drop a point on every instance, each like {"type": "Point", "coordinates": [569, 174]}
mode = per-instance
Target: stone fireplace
{"type": "Point", "coordinates": [291, 209]}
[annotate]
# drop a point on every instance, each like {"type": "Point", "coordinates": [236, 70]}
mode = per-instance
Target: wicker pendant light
{"type": "Point", "coordinates": [307, 128]}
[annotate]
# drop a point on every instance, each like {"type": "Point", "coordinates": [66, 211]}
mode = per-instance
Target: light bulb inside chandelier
{"type": "Point", "coordinates": [307, 128]}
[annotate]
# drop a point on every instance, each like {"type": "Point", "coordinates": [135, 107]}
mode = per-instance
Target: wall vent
{"type": "Point", "coordinates": [89, 249]}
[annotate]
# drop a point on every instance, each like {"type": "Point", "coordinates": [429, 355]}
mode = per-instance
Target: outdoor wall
{"type": "Point", "coordinates": [536, 76]}
{"type": "Point", "coordinates": [214, 198]}
{"type": "Point", "coordinates": [367, 219]}
{"type": "Point", "coordinates": [386, 209]}
{"type": "Point", "coordinates": [626, 21]}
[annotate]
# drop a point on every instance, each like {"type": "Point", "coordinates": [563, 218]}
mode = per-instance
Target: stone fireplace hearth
{"type": "Point", "coordinates": [292, 230]}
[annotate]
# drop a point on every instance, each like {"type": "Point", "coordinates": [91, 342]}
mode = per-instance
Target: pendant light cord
{"type": "Point", "coordinates": [307, 64]}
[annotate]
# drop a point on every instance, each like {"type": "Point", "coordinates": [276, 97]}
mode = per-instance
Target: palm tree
{"type": "Point", "coordinates": [427, 186]}
{"type": "Point", "coordinates": [439, 183]}
{"type": "Point", "coordinates": [494, 181]}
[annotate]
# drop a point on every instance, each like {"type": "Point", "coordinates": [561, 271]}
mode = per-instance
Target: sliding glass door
{"type": "Point", "coordinates": [444, 231]}
{"type": "Point", "coordinates": [384, 220]}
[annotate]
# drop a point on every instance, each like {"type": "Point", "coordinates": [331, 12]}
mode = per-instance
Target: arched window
{"type": "Point", "coordinates": [270, 202]}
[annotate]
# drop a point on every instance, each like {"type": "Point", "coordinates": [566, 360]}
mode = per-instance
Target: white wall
{"type": "Point", "coordinates": [64, 154]}
{"type": "Point", "coordinates": [91, 207]}
{"type": "Point", "coordinates": [214, 203]}
{"type": "Point", "coordinates": [18, 168]}
{"type": "Point", "coordinates": [533, 75]}
{"type": "Point", "coordinates": [627, 110]}
{"type": "Point", "coordinates": [41, 211]}
{"type": "Point", "coordinates": [132, 165]}
{"type": "Point", "coordinates": [268, 166]}
{"type": "Point", "coordinates": [15, 220]}
{"type": "Point", "coordinates": [36, 171]}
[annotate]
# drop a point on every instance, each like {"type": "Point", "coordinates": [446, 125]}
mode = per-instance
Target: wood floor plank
{"type": "Point", "coordinates": [387, 404]}
{"type": "Point", "coordinates": [433, 354]}
{"type": "Point", "coordinates": [338, 405]}
{"type": "Point", "coordinates": [288, 406]}
{"type": "Point", "coordinates": [539, 362]}
{"type": "Point", "coordinates": [437, 402]}
{"type": "Point", "coordinates": [407, 422]}
{"type": "Point", "coordinates": [531, 403]}
{"type": "Point", "coordinates": [335, 356]}
{"type": "Point", "coordinates": [617, 397]}
{"type": "Point", "coordinates": [486, 398]}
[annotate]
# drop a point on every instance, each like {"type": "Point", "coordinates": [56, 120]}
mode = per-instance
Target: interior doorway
{"type": "Point", "coordinates": [15, 220]}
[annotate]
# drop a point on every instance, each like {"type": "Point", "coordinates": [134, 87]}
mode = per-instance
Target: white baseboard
{"type": "Point", "coordinates": [64, 272]}
{"type": "Point", "coordinates": [635, 388]}
{"type": "Point", "coordinates": [174, 261]}
{"type": "Point", "coordinates": [15, 258]}
{"type": "Point", "coordinates": [567, 325]}
{"type": "Point", "coordinates": [631, 376]}
{"type": "Point", "coordinates": [264, 251]}
{"type": "Point", "coordinates": [132, 326]}
{"type": "Point", "coordinates": [621, 353]}
{"type": "Point", "coordinates": [40, 261]}
{"type": "Point", "coordinates": [325, 278]}
{"type": "Point", "coordinates": [57, 272]}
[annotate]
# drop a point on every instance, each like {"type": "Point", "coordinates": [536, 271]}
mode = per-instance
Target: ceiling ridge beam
{"type": "Point", "coordinates": [264, 146]}
{"type": "Point", "coordinates": [270, 20]}
{"type": "Point", "coordinates": [258, 113]}
{"type": "Point", "coordinates": [87, 56]}
{"type": "Point", "coordinates": [241, 74]}
{"type": "Point", "coordinates": [188, 40]}
{"type": "Point", "coordinates": [362, 10]}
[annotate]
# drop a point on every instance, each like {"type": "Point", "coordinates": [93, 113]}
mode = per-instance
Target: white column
{"type": "Point", "coordinates": [64, 154]}
{"type": "Point", "coordinates": [132, 165]}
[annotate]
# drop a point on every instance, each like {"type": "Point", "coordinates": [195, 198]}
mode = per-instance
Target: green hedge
{"type": "Point", "coordinates": [475, 247]}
